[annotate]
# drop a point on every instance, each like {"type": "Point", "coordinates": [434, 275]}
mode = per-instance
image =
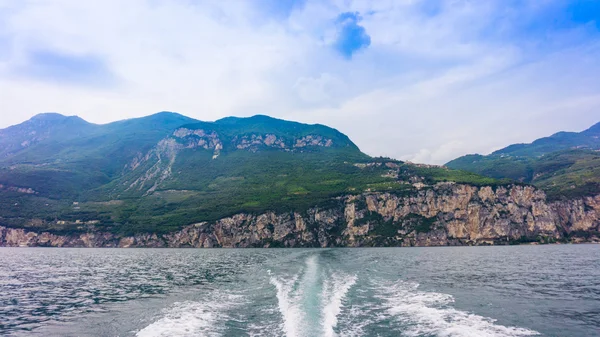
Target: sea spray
{"type": "Point", "coordinates": [311, 300]}
{"type": "Point", "coordinates": [288, 306]}
{"type": "Point", "coordinates": [298, 299]}
{"type": "Point", "coordinates": [431, 314]}
{"type": "Point", "coordinates": [193, 318]}
{"type": "Point", "coordinates": [334, 291]}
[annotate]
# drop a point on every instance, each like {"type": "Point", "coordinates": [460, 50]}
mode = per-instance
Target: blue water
{"type": "Point", "coordinates": [449, 291]}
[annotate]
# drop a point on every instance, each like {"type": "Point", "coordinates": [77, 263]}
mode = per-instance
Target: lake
{"type": "Point", "coordinates": [551, 290]}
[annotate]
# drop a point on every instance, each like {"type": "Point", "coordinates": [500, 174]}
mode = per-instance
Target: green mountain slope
{"type": "Point", "coordinates": [66, 156]}
{"type": "Point", "coordinates": [565, 164]}
{"type": "Point", "coordinates": [588, 139]}
{"type": "Point", "coordinates": [165, 171]}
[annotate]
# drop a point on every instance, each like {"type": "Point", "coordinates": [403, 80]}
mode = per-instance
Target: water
{"type": "Point", "coordinates": [462, 291]}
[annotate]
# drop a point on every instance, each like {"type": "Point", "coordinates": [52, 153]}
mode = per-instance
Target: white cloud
{"type": "Point", "coordinates": [441, 154]}
{"type": "Point", "coordinates": [324, 89]}
{"type": "Point", "coordinates": [431, 86]}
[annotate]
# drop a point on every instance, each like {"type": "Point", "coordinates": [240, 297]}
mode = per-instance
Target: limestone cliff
{"type": "Point", "coordinates": [439, 215]}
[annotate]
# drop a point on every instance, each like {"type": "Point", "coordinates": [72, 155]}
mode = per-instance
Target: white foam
{"type": "Point", "coordinates": [297, 298]}
{"type": "Point", "coordinates": [431, 313]}
{"type": "Point", "coordinates": [311, 300]}
{"type": "Point", "coordinates": [288, 304]}
{"type": "Point", "coordinates": [357, 319]}
{"type": "Point", "coordinates": [192, 318]}
{"type": "Point", "coordinates": [334, 292]}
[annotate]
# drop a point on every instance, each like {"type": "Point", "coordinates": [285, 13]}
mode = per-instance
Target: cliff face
{"type": "Point", "coordinates": [579, 216]}
{"type": "Point", "coordinates": [444, 214]}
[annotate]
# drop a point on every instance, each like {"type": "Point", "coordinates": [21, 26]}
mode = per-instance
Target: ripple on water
{"type": "Point", "coordinates": [39, 285]}
{"type": "Point", "coordinates": [482, 291]}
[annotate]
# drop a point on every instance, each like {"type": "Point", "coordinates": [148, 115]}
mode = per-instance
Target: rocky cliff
{"type": "Point", "coordinates": [439, 215]}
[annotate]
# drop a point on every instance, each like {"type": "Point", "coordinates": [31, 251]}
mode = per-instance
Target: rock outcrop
{"type": "Point", "coordinates": [444, 214]}
{"type": "Point", "coordinates": [156, 165]}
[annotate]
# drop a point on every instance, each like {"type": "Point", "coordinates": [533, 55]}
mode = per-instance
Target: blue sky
{"type": "Point", "coordinates": [425, 81]}
{"type": "Point", "coordinates": [350, 37]}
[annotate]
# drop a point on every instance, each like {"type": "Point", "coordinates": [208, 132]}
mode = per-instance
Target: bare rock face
{"type": "Point", "coordinates": [578, 215]}
{"type": "Point", "coordinates": [191, 139]}
{"type": "Point", "coordinates": [313, 140]}
{"type": "Point", "coordinates": [444, 214]}
{"type": "Point", "coordinates": [254, 141]}
{"type": "Point", "coordinates": [23, 190]}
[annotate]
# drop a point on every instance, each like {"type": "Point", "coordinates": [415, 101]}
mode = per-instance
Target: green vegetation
{"type": "Point", "coordinates": [587, 139]}
{"type": "Point", "coordinates": [84, 177]}
{"type": "Point", "coordinates": [565, 165]}
{"type": "Point", "coordinates": [432, 175]}
{"type": "Point", "coordinates": [562, 174]}
{"type": "Point", "coordinates": [386, 229]}
{"type": "Point", "coordinates": [423, 224]}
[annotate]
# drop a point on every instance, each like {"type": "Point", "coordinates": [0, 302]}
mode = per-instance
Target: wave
{"type": "Point", "coordinates": [335, 291]}
{"type": "Point", "coordinates": [189, 318]}
{"type": "Point", "coordinates": [314, 300]}
{"type": "Point", "coordinates": [287, 301]}
{"type": "Point", "coordinates": [431, 314]}
{"type": "Point", "coordinates": [311, 300]}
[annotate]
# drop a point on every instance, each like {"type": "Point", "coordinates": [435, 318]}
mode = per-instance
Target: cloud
{"type": "Point", "coordinates": [4, 48]}
{"type": "Point", "coordinates": [279, 9]}
{"type": "Point", "coordinates": [321, 90]}
{"type": "Point", "coordinates": [351, 37]}
{"type": "Point", "coordinates": [444, 153]}
{"type": "Point", "coordinates": [478, 75]}
{"type": "Point", "coordinates": [53, 66]}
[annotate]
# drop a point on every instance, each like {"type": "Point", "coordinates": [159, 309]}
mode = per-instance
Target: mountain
{"type": "Point", "coordinates": [441, 215]}
{"type": "Point", "coordinates": [566, 164]}
{"type": "Point", "coordinates": [63, 156]}
{"type": "Point", "coordinates": [588, 139]}
{"type": "Point", "coordinates": [170, 180]}
{"type": "Point", "coordinates": [47, 127]}
{"type": "Point", "coordinates": [51, 139]}
{"type": "Point", "coordinates": [161, 172]}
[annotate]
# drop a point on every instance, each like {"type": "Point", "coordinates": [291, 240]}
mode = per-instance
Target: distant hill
{"type": "Point", "coordinates": [164, 171]}
{"type": "Point", "coordinates": [588, 139]}
{"type": "Point", "coordinates": [565, 164]}
{"type": "Point", "coordinates": [64, 156]}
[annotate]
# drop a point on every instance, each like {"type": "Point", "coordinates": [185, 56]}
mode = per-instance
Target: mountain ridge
{"type": "Point", "coordinates": [562, 140]}
{"type": "Point", "coordinates": [594, 129]}
{"type": "Point", "coordinates": [166, 173]}
{"type": "Point", "coordinates": [564, 164]}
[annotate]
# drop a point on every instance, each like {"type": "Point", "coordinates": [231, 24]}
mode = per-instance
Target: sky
{"type": "Point", "coordinates": [425, 81]}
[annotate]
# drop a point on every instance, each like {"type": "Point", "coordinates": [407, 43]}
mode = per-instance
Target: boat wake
{"type": "Point", "coordinates": [431, 314]}
{"type": "Point", "coordinates": [311, 300]}
{"type": "Point", "coordinates": [190, 318]}
{"type": "Point", "coordinates": [319, 300]}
